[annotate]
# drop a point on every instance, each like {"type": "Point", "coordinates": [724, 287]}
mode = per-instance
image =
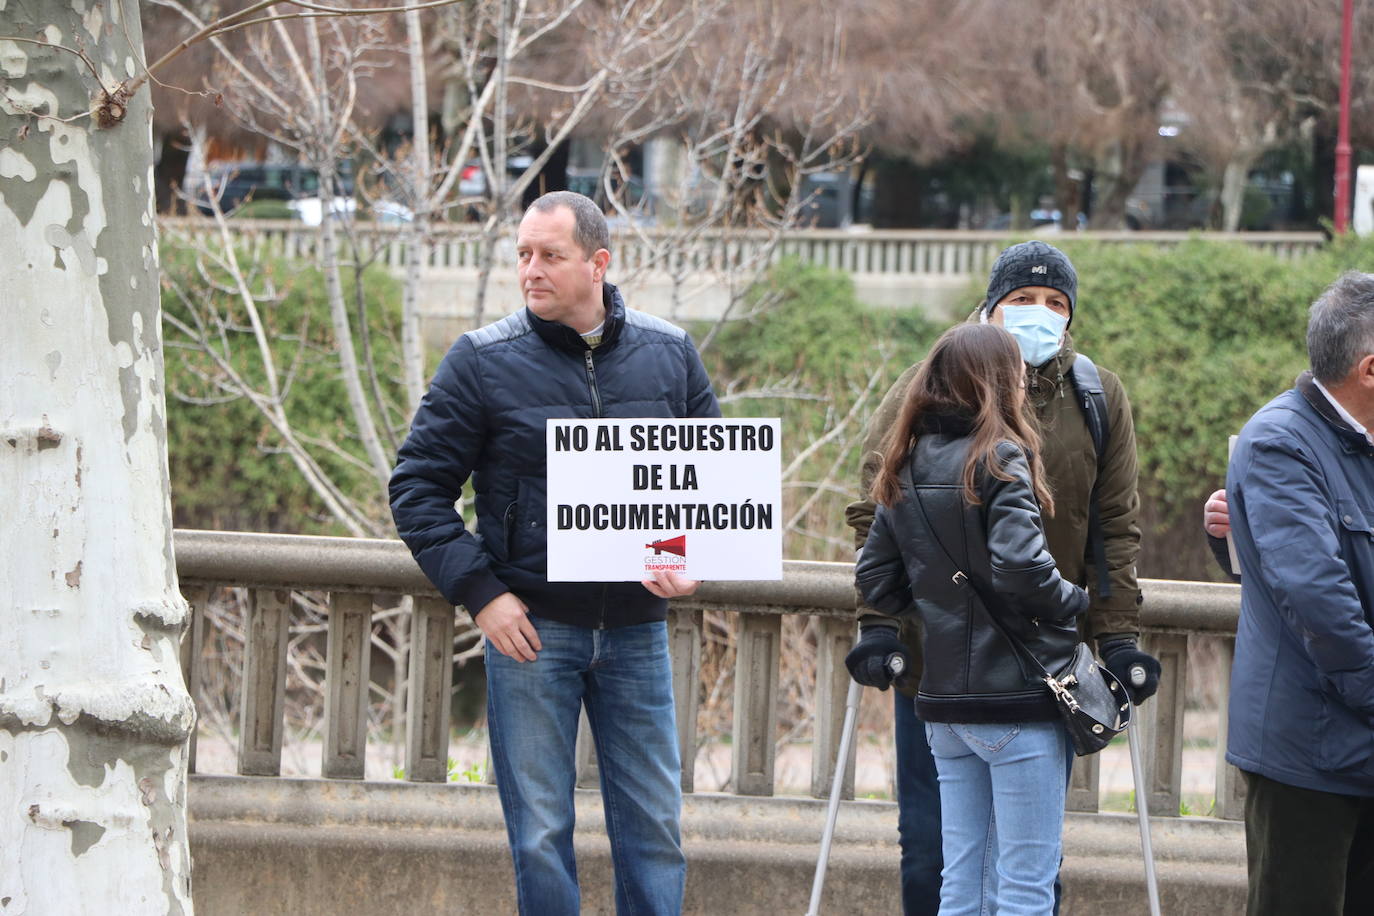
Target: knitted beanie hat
{"type": "Point", "coordinates": [1032, 264]}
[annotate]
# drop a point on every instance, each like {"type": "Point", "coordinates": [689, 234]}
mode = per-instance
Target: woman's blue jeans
{"type": "Point", "coordinates": [624, 678]}
{"type": "Point", "coordinates": [1002, 802]}
{"type": "Point", "coordinates": [918, 813]}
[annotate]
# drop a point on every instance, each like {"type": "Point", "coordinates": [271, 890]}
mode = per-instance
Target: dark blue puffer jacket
{"type": "Point", "coordinates": [1301, 489]}
{"type": "Point", "coordinates": [484, 416]}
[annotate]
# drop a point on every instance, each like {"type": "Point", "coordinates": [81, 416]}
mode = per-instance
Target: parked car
{"type": "Point", "coordinates": [1042, 219]}
{"type": "Point", "coordinates": [391, 212]}
{"type": "Point", "coordinates": [238, 182]}
{"type": "Point", "coordinates": [827, 200]}
{"type": "Point", "coordinates": [309, 211]}
{"type": "Point", "coordinates": [588, 182]}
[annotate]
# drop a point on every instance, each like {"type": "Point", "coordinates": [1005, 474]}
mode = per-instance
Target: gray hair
{"type": "Point", "coordinates": [589, 223]}
{"type": "Point", "coordinates": [1340, 330]}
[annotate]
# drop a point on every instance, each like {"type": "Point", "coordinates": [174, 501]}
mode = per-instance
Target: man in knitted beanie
{"type": "Point", "coordinates": [1041, 278]}
{"type": "Point", "coordinates": [1032, 292]}
{"type": "Point", "coordinates": [1032, 264]}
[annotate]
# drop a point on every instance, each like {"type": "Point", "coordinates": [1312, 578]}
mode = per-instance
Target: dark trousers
{"type": "Point", "coordinates": [1308, 852]}
{"type": "Point", "coordinates": [918, 813]}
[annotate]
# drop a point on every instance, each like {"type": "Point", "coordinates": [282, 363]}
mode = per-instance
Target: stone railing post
{"type": "Point", "coordinates": [1084, 787]}
{"type": "Point", "coordinates": [430, 691]}
{"type": "Point", "coordinates": [684, 642]}
{"type": "Point", "coordinates": [584, 754]}
{"type": "Point", "coordinates": [197, 598]}
{"type": "Point", "coordinates": [1230, 786]}
{"type": "Point", "coordinates": [264, 682]}
{"type": "Point", "coordinates": [1163, 723]}
{"type": "Point", "coordinates": [753, 753]}
{"type": "Point", "coordinates": [347, 656]}
{"type": "Point", "coordinates": [834, 639]}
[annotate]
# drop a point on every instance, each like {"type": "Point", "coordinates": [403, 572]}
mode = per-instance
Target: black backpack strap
{"type": "Point", "coordinates": [1092, 397]}
{"type": "Point", "coordinates": [1087, 386]}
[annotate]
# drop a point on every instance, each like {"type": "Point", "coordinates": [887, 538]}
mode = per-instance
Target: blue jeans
{"type": "Point", "coordinates": [1002, 794]}
{"type": "Point", "coordinates": [624, 678]}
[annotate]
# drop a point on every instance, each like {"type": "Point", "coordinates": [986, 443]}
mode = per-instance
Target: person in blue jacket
{"type": "Point", "coordinates": [553, 649]}
{"type": "Point", "coordinates": [1300, 499]}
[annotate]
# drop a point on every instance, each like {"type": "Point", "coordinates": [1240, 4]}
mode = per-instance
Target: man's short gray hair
{"type": "Point", "coordinates": [589, 223]}
{"type": "Point", "coordinates": [1340, 329]}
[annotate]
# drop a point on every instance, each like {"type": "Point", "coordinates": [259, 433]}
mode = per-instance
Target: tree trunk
{"type": "Point", "coordinates": [1233, 190]}
{"type": "Point", "coordinates": [1324, 168]}
{"type": "Point", "coordinates": [496, 179]}
{"type": "Point", "coordinates": [417, 232]}
{"type": "Point", "coordinates": [1125, 163]}
{"type": "Point", "coordinates": [169, 172]}
{"type": "Point", "coordinates": [333, 282]}
{"type": "Point", "coordinates": [1068, 191]}
{"type": "Point", "coordinates": [94, 715]}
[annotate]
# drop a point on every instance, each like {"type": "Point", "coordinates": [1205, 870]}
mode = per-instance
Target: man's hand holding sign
{"type": "Point", "coordinates": [668, 584]}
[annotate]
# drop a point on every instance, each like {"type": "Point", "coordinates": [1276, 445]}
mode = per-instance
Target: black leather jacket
{"type": "Point", "coordinates": [971, 672]}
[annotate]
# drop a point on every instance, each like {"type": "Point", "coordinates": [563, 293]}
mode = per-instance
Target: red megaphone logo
{"type": "Point", "coordinates": [677, 545]}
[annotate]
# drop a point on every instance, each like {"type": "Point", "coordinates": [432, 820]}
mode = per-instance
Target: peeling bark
{"type": "Point", "coordinates": [93, 712]}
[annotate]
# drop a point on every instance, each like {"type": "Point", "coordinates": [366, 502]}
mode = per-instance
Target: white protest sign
{"type": "Point", "coordinates": [699, 497]}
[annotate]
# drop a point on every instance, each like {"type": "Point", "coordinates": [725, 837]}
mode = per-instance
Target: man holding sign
{"type": "Point", "coordinates": [574, 351]}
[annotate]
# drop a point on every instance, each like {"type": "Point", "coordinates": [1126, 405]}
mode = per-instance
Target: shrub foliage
{"type": "Point", "coordinates": [227, 463]}
{"type": "Point", "coordinates": [1202, 335]}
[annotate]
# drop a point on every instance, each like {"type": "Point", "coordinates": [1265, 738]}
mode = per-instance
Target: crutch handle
{"type": "Point", "coordinates": [895, 665]}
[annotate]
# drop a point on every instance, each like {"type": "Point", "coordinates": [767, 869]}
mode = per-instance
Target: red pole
{"type": "Point", "coordinates": [1343, 131]}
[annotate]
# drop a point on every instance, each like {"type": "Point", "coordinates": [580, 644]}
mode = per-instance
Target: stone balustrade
{"type": "Point", "coordinates": [697, 278]}
{"type": "Point", "coordinates": [1175, 615]}
{"type": "Point", "coordinates": [940, 252]}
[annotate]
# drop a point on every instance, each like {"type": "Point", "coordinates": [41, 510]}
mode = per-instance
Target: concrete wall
{"type": "Point", "coordinates": [310, 846]}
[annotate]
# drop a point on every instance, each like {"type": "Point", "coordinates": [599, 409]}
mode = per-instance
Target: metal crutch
{"type": "Point", "coordinates": [895, 665]}
{"type": "Point", "coordinates": [1141, 807]}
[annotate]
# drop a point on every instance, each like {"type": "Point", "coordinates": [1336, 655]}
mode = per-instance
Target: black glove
{"type": "Point", "coordinates": [1120, 654]}
{"type": "Point", "coordinates": [869, 661]}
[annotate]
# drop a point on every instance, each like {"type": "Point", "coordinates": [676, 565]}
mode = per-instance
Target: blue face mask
{"type": "Point", "coordinates": [1039, 332]}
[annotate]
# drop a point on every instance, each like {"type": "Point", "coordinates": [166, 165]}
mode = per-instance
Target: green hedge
{"type": "Point", "coordinates": [227, 467]}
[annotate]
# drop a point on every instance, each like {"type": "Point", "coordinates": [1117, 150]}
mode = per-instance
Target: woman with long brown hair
{"type": "Point", "coordinates": [959, 492]}
{"type": "Point", "coordinates": [973, 372]}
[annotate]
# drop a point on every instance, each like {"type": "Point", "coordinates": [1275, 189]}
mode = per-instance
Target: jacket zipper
{"type": "Point", "coordinates": [596, 412]}
{"type": "Point", "coordinates": [591, 384]}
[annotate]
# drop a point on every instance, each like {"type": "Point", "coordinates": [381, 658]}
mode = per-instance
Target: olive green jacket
{"type": "Point", "coordinates": [1070, 463]}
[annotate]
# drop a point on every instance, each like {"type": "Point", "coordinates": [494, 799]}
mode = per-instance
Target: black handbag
{"type": "Point", "coordinates": [1092, 702]}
